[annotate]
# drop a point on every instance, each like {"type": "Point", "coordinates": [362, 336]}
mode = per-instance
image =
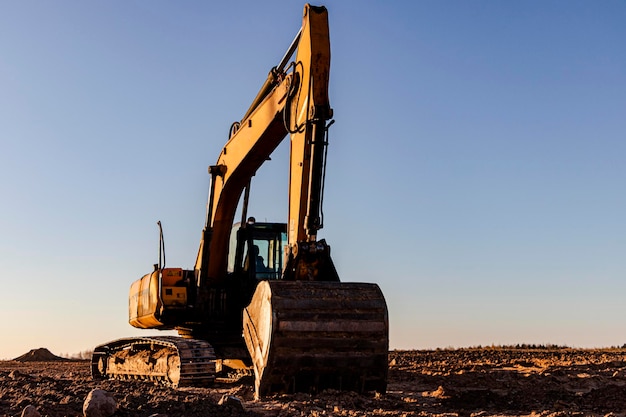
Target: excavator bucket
{"type": "Point", "coordinates": [310, 336]}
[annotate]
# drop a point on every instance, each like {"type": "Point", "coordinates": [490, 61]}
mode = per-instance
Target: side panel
{"type": "Point", "coordinates": [173, 290]}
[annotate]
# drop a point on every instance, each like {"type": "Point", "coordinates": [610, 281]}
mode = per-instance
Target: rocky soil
{"type": "Point", "coordinates": [465, 382]}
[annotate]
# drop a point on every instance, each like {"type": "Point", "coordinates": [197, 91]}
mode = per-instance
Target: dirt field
{"type": "Point", "coordinates": [465, 382]}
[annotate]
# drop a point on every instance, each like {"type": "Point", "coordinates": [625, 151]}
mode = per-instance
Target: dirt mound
{"type": "Point", "coordinates": [39, 355]}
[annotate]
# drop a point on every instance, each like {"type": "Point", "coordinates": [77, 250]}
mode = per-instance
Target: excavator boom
{"type": "Point", "coordinates": [292, 101]}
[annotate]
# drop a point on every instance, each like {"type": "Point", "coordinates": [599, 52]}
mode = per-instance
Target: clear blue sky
{"type": "Point", "coordinates": [476, 167]}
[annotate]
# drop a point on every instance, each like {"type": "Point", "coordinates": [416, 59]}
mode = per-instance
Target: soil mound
{"type": "Point", "coordinates": [39, 355]}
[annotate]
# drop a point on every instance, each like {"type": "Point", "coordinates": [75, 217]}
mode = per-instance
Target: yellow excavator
{"type": "Point", "coordinates": [262, 296]}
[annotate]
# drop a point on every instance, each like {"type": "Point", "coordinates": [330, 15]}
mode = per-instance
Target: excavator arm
{"type": "Point", "coordinates": [293, 100]}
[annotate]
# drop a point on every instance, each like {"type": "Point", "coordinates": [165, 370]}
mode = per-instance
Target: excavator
{"type": "Point", "coordinates": [262, 298]}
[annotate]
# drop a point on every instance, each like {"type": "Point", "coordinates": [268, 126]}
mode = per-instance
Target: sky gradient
{"type": "Point", "coordinates": [475, 170]}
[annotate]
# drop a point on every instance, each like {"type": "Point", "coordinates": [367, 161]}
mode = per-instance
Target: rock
{"type": "Point", "coordinates": [99, 403]}
{"type": "Point", "coordinates": [66, 400]}
{"type": "Point", "coordinates": [158, 415]}
{"type": "Point", "coordinates": [232, 401]}
{"type": "Point", "coordinates": [15, 374]}
{"type": "Point", "coordinates": [24, 401]}
{"type": "Point", "coordinates": [438, 393]}
{"type": "Point", "coordinates": [30, 411]}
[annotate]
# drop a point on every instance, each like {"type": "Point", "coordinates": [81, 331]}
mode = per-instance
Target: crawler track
{"type": "Point", "coordinates": [170, 360]}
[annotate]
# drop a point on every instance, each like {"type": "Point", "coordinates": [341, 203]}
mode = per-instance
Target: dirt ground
{"type": "Point", "coordinates": [464, 382]}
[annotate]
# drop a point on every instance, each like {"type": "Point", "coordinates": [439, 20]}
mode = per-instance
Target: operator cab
{"type": "Point", "coordinates": [256, 249]}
